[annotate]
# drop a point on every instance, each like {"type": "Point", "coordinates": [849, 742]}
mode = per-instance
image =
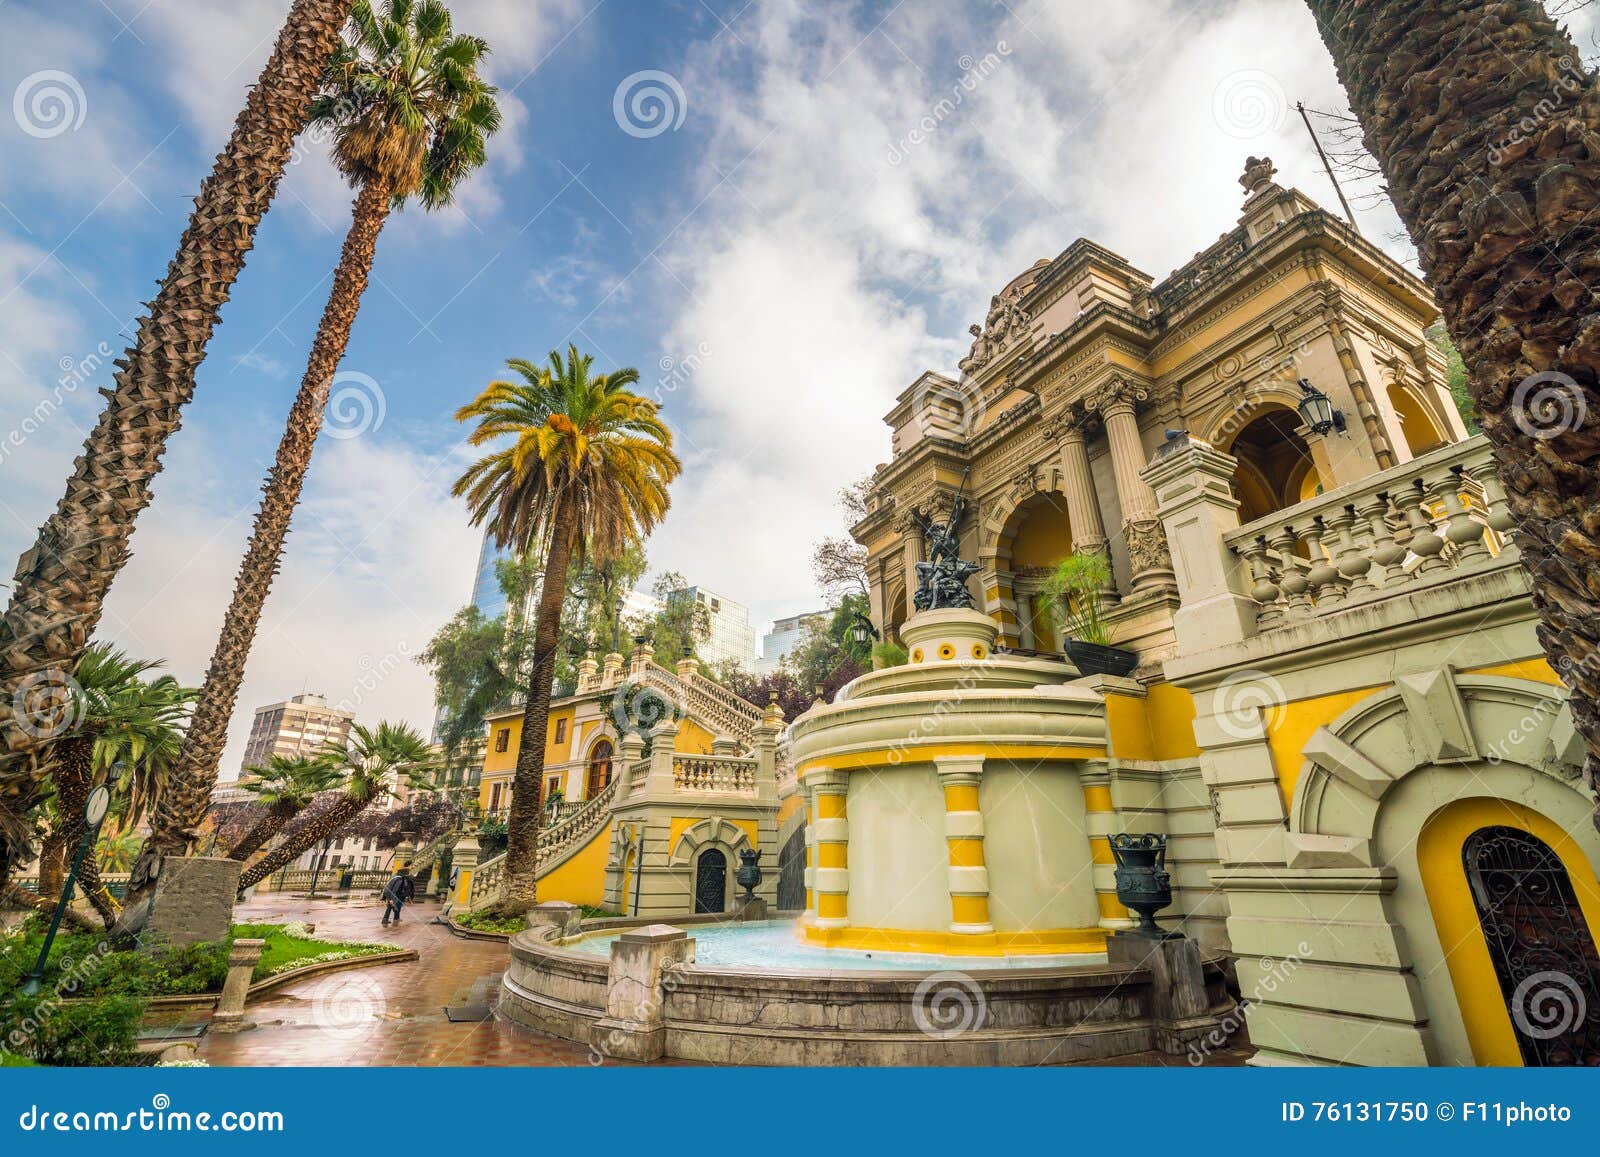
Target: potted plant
{"type": "Point", "coordinates": [1077, 589]}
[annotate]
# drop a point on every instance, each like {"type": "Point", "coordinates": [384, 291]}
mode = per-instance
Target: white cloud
{"type": "Point", "coordinates": [868, 188]}
{"type": "Point", "coordinates": [375, 564]}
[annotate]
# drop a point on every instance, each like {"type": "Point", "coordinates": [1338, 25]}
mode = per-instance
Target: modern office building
{"type": "Point", "coordinates": [302, 725]}
{"type": "Point", "coordinates": [732, 637]}
{"type": "Point", "coordinates": [785, 636]}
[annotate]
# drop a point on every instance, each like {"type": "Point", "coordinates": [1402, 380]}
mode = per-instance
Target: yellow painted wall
{"type": "Point", "coordinates": [1045, 535]}
{"type": "Point", "coordinates": [498, 766]}
{"type": "Point", "coordinates": [1291, 724]}
{"type": "Point", "coordinates": [1444, 878]}
{"type": "Point", "coordinates": [788, 807]}
{"type": "Point", "coordinates": [1416, 426]}
{"type": "Point", "coordinates": [1159, 726]}
{"type": "Point", "coordinates": [581, 879]}
{"type": "Point", "coordinates": [692, 738]}
{"type": "Point", "coordinates": [1536, 670]}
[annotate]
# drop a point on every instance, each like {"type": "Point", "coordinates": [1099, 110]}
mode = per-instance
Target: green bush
{"type": "Point", "coordinates": [84, 964]}
{"type": "Point", "coordinates": [484, 922]}
{"type": "Point", "coordinates": [889, 654]}
{"type": "Point", "coordinates": [49, 1031]}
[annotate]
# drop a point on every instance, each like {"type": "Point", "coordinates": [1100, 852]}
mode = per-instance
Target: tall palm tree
{"type": "Point", "coordinates": [410, 116]}
{"type": "Point", "coordinates": [586, 467]}
{"type": "Point", "coordinates": [125, 723]}
{"type": "Point", "coordinates": [1484, 122]}
{"type": "Point", "coordinates": [286, 785]}
{"type": "Point", "coordinates": [62, 580]}
{"type": "Point", "coordinates": [370, 762]}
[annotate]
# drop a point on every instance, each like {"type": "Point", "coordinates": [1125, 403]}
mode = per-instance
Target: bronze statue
{"type": "Point", "coordinates": [942, 580]}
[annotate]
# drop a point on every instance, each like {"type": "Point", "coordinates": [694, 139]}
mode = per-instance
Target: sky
{"type": "Point", "coordinates": [781, 213]}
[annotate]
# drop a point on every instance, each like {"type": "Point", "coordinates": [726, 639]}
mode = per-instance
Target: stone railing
{"type": "Point", "coordinates": [638, 775]}
{"type": "Point", "coordinates": [1410, 525]}
{"type": "Point", "coordinates": [714, 774]}
{"type": "Point", "coordinates": [591, 814]}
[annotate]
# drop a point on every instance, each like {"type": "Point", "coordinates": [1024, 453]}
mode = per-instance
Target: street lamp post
{"type": "Point", "coordinates": [93, 812]}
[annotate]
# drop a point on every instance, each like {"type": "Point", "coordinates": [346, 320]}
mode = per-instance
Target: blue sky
{"type": "Point", "coordinates": [836, 191]}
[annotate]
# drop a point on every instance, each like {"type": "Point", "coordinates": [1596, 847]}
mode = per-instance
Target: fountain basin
{"type": "Point", "coordinates": [947, 1011]}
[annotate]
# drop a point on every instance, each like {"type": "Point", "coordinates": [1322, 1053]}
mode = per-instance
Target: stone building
{"type": "Point", "coordinates": [1339, 716]}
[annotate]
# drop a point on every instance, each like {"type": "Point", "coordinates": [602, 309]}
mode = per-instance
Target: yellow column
{"type": "Point", "coordinates": [1100, 819]}
{"type": "Point", "coordinates": [959, 776]}
{"type": "Point", "coordinates": [830, 878]}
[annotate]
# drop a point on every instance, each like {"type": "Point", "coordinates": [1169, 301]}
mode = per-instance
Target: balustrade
{"type": "Point", "coordinates": [1403, 527]}
{"type": "Point", "coordinates": [727, 775]}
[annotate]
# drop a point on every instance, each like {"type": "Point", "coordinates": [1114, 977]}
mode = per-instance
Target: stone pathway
{"type": "Point", "coordinates": [389, 1014]}
{"type": "Point", "coordinates": [393, 1014]}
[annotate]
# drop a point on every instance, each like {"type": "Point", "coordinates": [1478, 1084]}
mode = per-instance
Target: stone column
{"type": "Point", "coordinates": [587, 672]}
{"type": "Point", "coordinates": [959, 776]}
{"type": "Point", "coordinates": [912, 548]}
{"type": "Point", "coordinates": [1194, 494]}
{"type": "Point", "coordinates": [242, 960]}
{"type": "Point", "coordinates": [630, 750]}
{"type": "Point", "coordinates": [1099, 818]}
{"type": "Point", "coordinates": [688, 669]}
{"type": "Point", "coordinates": [613, 669]}
{"type": "Point", "coordinates": [463, 863]}
{"type": "Point", "coordinates": [1151, 565]}
{"type": "Point", "coordinates": [1070, 429]}
{"type": "Point", "coordinates": [663, 742]}
{"type": "Point", "coordinates": [634, 1027]}
{"type": "Point", "coordinates": [830, 878]}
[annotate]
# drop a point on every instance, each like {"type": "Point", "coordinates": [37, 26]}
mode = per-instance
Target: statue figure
{"type": "Point", "coordinates": [942, 580]}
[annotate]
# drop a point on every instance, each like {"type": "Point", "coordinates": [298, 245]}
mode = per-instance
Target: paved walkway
{"type": "Point", "coordinates": [389, 1014]}
{"type": "Point", "coordinates": [393, 1014]}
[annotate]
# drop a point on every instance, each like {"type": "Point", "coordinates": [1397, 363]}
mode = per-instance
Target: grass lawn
{"type": "Point", "coordinates": [288, 947]}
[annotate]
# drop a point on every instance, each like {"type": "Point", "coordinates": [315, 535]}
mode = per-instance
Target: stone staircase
{"type": "Point", "coordinates": [555, 843]}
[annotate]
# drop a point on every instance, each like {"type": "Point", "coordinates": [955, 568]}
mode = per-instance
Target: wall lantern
{"type": "Point", "coordinates": [1316, 410]}
{"type": "Point", "coordinates": [862, 630]}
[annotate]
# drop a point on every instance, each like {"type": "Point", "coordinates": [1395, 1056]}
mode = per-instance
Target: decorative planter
{"type": "Point", "coordinates": [1143, 883]}
{"type": "Point", "coordinates": [1095, 659]}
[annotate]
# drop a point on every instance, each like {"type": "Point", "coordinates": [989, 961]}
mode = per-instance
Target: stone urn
{"type": "Point", "coordinates": [1143, 883]}
{"type": "Point", "coordinates": [749, 872]}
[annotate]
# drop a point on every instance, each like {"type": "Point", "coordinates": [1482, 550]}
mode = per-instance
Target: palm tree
{"type": "Point", "coordinates": [1484, 123]}
{"type": "Point", "coordinates": [286, 785]}
{"type": "Point", "coordinates": [62, 580]}
{"type": "Point", "coordinates": [587, 468]}
{"type": "Point", "coordinates": [410, 116]}
{"type": "Point", "coordinates": [368, 761]}
{"type": "Point", "coordinates": [126, 724]}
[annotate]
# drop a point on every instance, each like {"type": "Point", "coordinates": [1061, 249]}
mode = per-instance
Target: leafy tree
{"type": "Point", "coordinates": [410, 116]}
{"type": "Point", "coordinates": [62, 580]}
{"type": "Point", "coordinates": [1455, 376]}
{"type": "Point", "coordinates": [371, 761]}
{"type": "Point", "coordinates": [679, 625]}
{"type": "Point", "coordinates": [286, 786]}
{"type": "Point", "coordinates": [586, 471]}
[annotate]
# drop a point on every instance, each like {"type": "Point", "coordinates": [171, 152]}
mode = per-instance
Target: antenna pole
{"type": "Point", "coordinates": [1327, 168]}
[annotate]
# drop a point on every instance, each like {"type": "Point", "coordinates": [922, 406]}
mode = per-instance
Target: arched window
{"type": "Point", "coordinates": [599, 769]}
{"type": "Point", "coordinates": [1275, 469]}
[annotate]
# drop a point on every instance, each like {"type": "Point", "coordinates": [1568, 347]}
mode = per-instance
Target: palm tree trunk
{"type": "Point", "coordinates": [74, 779]}
{"type": "Point", "coordinates": [266, 827]}
{"type": "Point", "coordinates": [182, 809]}
{"type": "Point", "coordinates": [1483, 121]}
{"type": "Point", "coordinates": [319, 829]}
{"type": "Point", "coordinates": [62, 580]}
{"type": "Point", "coordinates": [52, 860]}
{"type": "Point", "coordinates": [527, 784]}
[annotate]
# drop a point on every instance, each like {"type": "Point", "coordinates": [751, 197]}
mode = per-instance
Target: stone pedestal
{"type": "Point", "coordinates": [192, 902]}
{"type": "Point", "coordinates": [753, 909]}
{"type": "Point", "coordinates": [634, 1027]}
{"type": "Point", "coordinates": [562, 918]}
{"type": "Point", "coordinates": [1179, 1006]}
{"type": "Point", "coordinates": [242, 961]}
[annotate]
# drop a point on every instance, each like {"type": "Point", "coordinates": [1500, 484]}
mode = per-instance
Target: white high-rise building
{"type": "Point", "coordinates": [732, 638]}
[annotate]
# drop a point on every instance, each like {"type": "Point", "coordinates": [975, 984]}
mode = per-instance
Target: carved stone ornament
{"type": "Point", "coordinates": [1258, 174]}
{"type": "Point", "coordinates": [1006, 322]}
{"type": "Point", "coordinates": [1118, 392]}
{"type": "Point", "coordinates": [1073, 421]}
{"type": "Point", "coordinates": [1147, 547]}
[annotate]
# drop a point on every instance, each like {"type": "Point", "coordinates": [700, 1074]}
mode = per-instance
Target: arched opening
{"type": "Point", "coordinates": [1040, 535]}
{"type": "Point", "coordinates": [599, 774]}
{"type": "Point", "coordinates": [1416, 425]}
{"type": "Point", "coordinates": [1275, 468]}
{"type": "Point", "coordinates": [1540, 944]}
{"type": "Point", "coordinates": [711, 882]}
{"type": "Point", "coordinates": [897, 614]}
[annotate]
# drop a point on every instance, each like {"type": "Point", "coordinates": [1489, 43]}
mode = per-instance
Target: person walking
{"type": "Point", "coordinates": [400, 888]}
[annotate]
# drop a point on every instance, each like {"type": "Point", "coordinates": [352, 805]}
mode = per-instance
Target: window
{"type": "Point", "coordinates": [502, 739]}
{"type": "Point", "coordinates": [561, 730]}
{"type": "Point", "coordinates": [552, 786]}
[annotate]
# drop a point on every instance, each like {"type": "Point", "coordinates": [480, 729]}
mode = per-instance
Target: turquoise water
{"type": "Point", "coordinates": [774, 944]}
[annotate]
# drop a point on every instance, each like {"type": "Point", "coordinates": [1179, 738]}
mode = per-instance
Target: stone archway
{"type": "Point", "coordinates": [1018, 552]}
{"type": "Point", "coordinates": [792, 872]}
{"type": "Point", "coordinates": [1276, 467]}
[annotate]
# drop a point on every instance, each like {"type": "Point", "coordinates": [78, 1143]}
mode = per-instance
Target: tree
{"type": "Point", "coordinates": [840, 564]}
{"type": "Point", "coordinates": [371, 761]}
{"type": "Point", "coordinates": [680, 623]}
{"type": "Point", "coordinates": [1484, 124]}
{"type": "Point", "coordinates": [410, 116]}
{"type": "Point", "coordinates": [587, 468]}
{"type": "Point", "coordinates": [62, 580]}
{"type": "Point", "coordinates": [286, 786]}
{"type": "Point", "coordinates": [593, 608]}
{"type": "Point", "coordinates": [475, 667]}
